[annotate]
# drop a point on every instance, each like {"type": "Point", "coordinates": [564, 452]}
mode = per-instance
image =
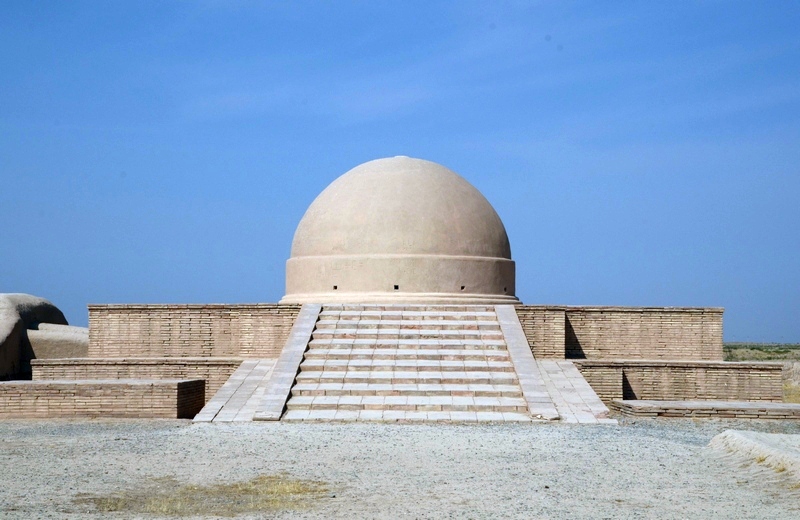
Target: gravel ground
{"type": "Point", "coordinates": [644, 469]}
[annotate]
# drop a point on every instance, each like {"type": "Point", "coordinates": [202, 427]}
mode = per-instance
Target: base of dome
{"type": "Point", "coordinates": [402, 298]}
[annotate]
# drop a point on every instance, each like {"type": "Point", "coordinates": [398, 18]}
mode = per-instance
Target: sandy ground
{"type": "Point", "coordinates": [644, 469]}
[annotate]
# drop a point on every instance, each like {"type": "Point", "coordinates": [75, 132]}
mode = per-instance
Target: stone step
{"type": "Point", "coordinates": [403, 416]}
{"type": "Point", "coordinates": [472, 390]}
{"type": "Point", "coordinates": [407, 377]}
{"type": "Point", "coordinates": [407, 333]}
{"type": "Point", "coordinates": [333, 307]}
{"type": "Point", "coordinates": [409, 403]}
{"type": "Point", "coordinates": [571, 394]}
{"type": "Point", "coordinates": [426, 354]}
{"type": "Point", "coordinates": [409, 323]}
{"type": "Point", "coordinates": [424, 343]}
{"type": "Point", "coordinates": [416, 315]}
{"type": "Point", "coordinates": [419, 365]}
{"type": "Point", "coordinates": [240, 396]}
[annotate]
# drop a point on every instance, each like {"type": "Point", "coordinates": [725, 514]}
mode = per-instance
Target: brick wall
{"type": "Point", "coordinates": [167, 399]}
{"type": "Point", "coordinates": [241, 330]}
{"type": "Point", "coordinates": [644, 333]}
{"type": "Point", "coordinates": [544, 328]}
{"type": "Point", "coordinates": [684, 380]}
{"type": "Point", "coordinates": [623, 332]}
{"type": "Point", "coordinates": [604, 378]}
{"type": "Point", "coordinates": [215, 371]}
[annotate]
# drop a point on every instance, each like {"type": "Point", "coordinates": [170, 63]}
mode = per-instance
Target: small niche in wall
{"type": "Point", "coordinates": [463, 287]}
{"type": "Point", "coordinates": [396, 287]}
{"type": "Point", "coordinates": [335, 287]}
{"type": "Point", "coordinates": [505, 290]}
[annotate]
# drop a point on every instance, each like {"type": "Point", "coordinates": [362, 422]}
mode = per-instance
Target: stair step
{"type": "Point", "coordinates": [457, 344]}
{"type": "Point", "coordinates": [407, 333]}
{"type": "Point", "coordinates": [427, 354]}
{"type": "Point", "coordinates": [408, 403]}
{"type": "Point", "coordinates": [415, 315]}
{"type": "Point", "coordinates": [406, 306]}
{"type": "Point", "coordinates": [468, 390]}
{"type": "Point", "coordinates": [408, 377]}
{"type": "Point", "coordinates": [409, 323]}
{"type": "Point", "coordinates": [404, 417]}
{"type": "Point", "coordinates": [417, 365]}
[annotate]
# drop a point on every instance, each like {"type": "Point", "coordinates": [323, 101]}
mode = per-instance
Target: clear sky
{"type": "Point", "coordinates": [639, 153]}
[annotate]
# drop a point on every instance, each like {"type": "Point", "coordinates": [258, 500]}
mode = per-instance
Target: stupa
{"type": "Point", "coordinates": [400, 230]}
{"type": "Point", "coordinates": [400, 305]}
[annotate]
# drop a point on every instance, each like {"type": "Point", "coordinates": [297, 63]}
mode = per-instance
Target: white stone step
{"type": "Point", "coordinates": [425, 343]}
{"type": "Point", "coordinates": [409, 403]}
{"type": "Point", "coordinates": [469, 390]}
{"type": "Point", "coordinates": [372, 323]}
{"type": "Point", "coordinates": [572, 395]}
{"type": "Point", "coordinates": [395, 353]}
{"type": "Point", "coordinates": [404, 416]}
{"type": "Point", "coordinates": [417, 315]}
{"type": "Point", "coordinates": [407, 332]}
{"type": "Point", "coordinates": [406, 377]}
{"type": "Point", "coordinates": [238, 399]}
{"type": "Point", "coordinates": [406, 365]}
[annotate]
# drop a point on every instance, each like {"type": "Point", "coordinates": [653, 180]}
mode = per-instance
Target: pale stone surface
{"type": "Point", "coordinates": [407, 380]}
{"type": "Point", "coordinates": [400, 230]}
{"type": "Point", "coordinates": [33, 309]}
{"type": "Point", "coordinates": [779, 451]}
{"type": "Point", "coordinates": [646, 470]}
{"type": "Point", "coordinates": [50, 341]}
{"type": "Point", "coordinates": [281, 379]}
{"type": "Point", "coordinates": [19, 312]}
{"type": "Point", "coordinates": [11, 330]}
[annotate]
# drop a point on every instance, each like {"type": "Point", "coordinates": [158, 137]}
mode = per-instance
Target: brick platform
{"type": "Point", "coordinates": [257, 330]}
{"type": "Point", "coordinates": [683, 380]}
{"type": "Point", "coordinates": [114, 398]}
{"type": "Point", "coordinates": [707, 409]}
{"type": "Point", "coordinates": [598, 332]}
{"type": "Point", "coordinates": [215, 371]}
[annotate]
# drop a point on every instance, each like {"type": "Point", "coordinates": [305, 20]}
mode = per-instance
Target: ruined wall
{"type": "Point", "coordinates": [214, 371]}
{"type": "Point", "coordinates": [241, 330]}
{"type": "Point", "coordinates": [167, 399]}
{"type": "Point", "coordinates": [623, 332]}
{"type": "Point", "coordinates": [684, 380]}
{"type": "Point", "coordinates": [544, 328]}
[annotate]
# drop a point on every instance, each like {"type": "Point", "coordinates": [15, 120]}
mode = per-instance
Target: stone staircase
{"type": "Point", "coordinates": [407, 363]}
{"type": "Point", "coordinates": [240, 396]}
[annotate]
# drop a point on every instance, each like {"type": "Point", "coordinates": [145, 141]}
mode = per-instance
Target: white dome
{"type": "Point", "coordinates": [400, 230]}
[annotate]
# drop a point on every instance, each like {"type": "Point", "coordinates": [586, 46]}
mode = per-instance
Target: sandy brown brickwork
{"type": "Point", "coordinates": [126, 398]}
{"type": "Point", "coordinates": [644, 333]}
{"type": "Point", "coordinates": [215, 371]}
{"type": "Point", "coordinates": [544, 329]}
{"type": "Point", "coordinates": [707, 409]}
{"type": "Point", "coordinates": [623, 332]}
{"type": "Point", "coordinates": [241, 330]}
{"type": "Point", "coordinates": [605, 378]}
{"type": "Point", "coordinates": [683, 380]}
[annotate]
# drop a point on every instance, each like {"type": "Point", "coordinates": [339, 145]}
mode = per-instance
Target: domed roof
{"type": "Point", "coordinates": [400, 230]}
{"type": "Point", "coordinates": [401, 205]}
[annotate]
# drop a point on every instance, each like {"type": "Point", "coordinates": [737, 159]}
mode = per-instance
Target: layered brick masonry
{"type": "Point", "coordinates": [241, 330]}
{"type": "Point", "coordinates": [558, 332]}
{"type": "Point", "coordinates": [165, 398]}
{"type": "Point", "coordinates": [683, 380]}
{"type": "Point", "coordinates": [707, 410]}
{"type": "Point", "coordinates": [625, 353]}
{"type": "Point", "coordinates": [214, 371]}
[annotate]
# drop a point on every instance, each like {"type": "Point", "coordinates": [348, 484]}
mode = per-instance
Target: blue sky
{"type": "Point", "coordinates": [639, 153]}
